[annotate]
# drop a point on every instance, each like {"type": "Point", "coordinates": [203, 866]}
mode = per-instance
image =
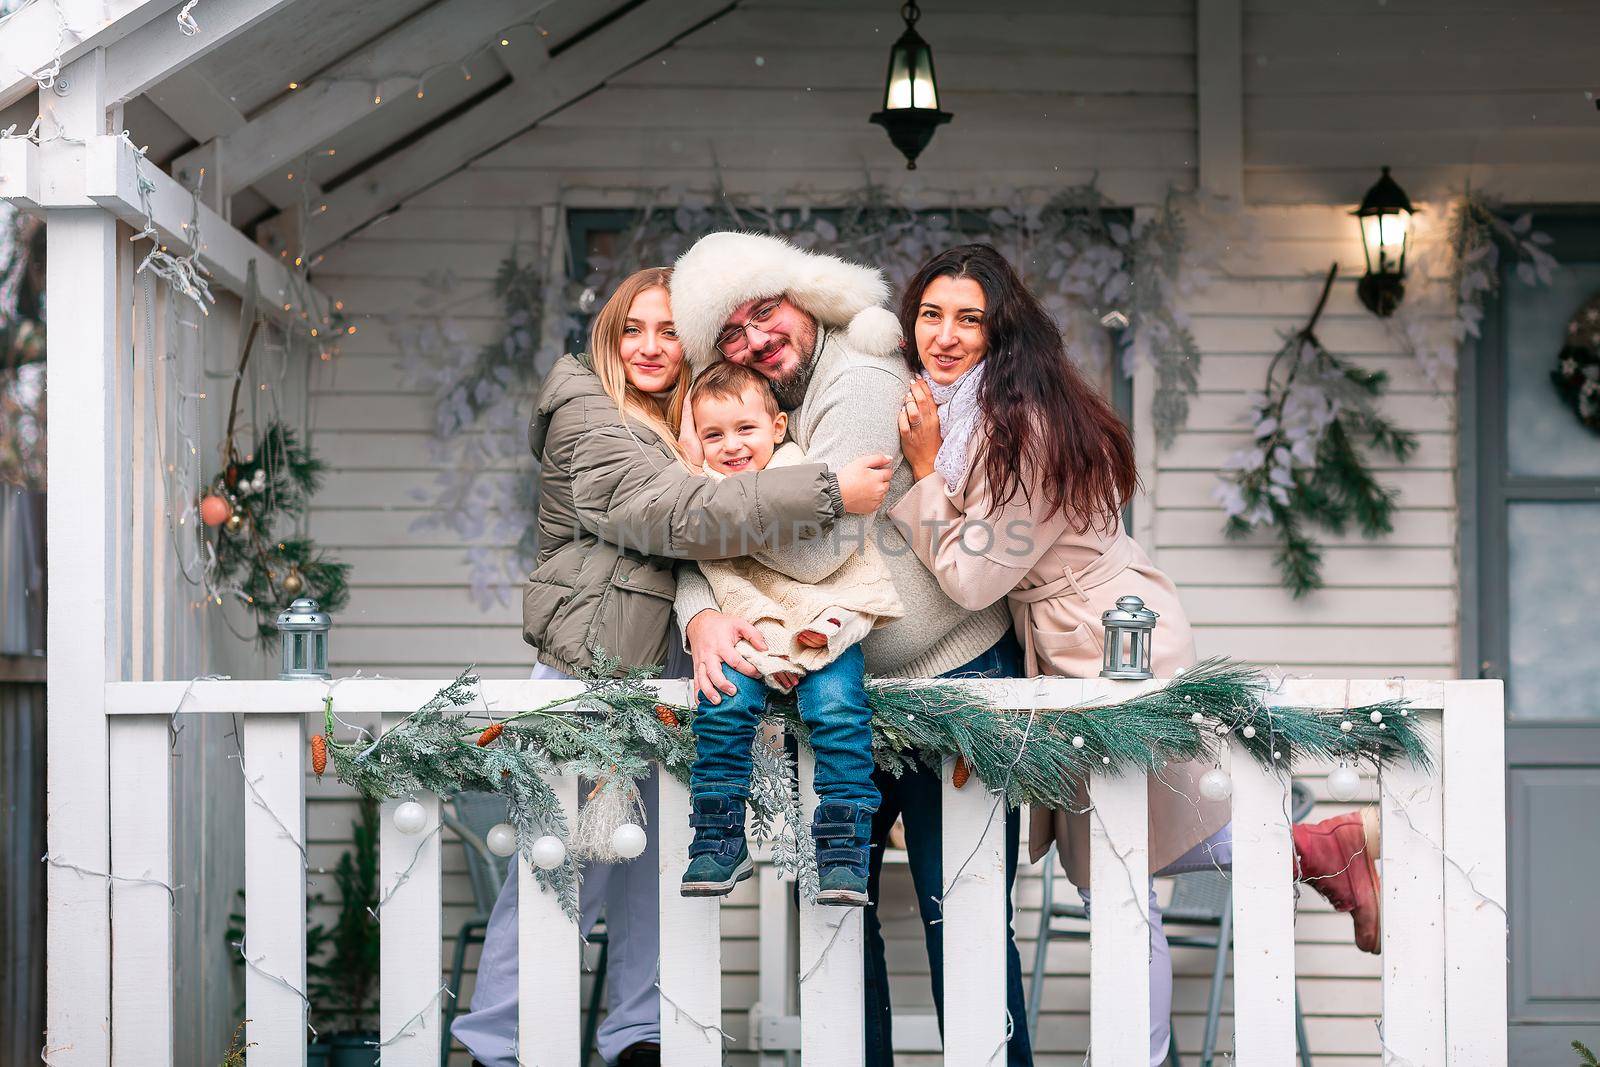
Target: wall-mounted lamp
{"type": "Point", "coordinates": [1385, 218]}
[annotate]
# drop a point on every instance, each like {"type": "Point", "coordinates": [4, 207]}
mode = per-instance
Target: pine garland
{"type": "Point", "coordinates": [1307, 465]}
{"type": "Point", "coordinates": [274, 480]}
{"type": "Point", "coordinates": [618, 726]}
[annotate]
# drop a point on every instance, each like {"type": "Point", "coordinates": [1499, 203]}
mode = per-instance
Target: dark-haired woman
{"type": "Point", "coordinates": [1022, 470]}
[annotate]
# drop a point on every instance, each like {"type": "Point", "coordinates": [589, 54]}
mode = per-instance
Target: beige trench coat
{"type": "Point", "coordinates": [1058, 580]}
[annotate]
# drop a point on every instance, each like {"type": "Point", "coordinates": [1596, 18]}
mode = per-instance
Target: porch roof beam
{"type": "Point", "coordinates": [106, 172]}
{"type": "Point", "coordinates": [312, 116]}
{"type": "Point", "coordinates": [566, 76]}
{"type": "Point", "coordinates": [158, 51]}
{"type": "Point", "coordinates": [35, 37]}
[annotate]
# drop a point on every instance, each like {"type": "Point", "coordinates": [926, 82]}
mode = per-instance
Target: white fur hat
{"type": "Point", "coordinates": [723, 270]}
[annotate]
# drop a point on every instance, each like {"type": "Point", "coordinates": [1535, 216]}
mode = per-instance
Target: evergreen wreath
{"type": "Point", "coordinates": [1577, 373]}
{"type": "Point", "coordinates": [618, 725]}
{"type": "Point", "coordinates": [251, 561]}
{"type": "Point", "coordinates": [1306, 465]}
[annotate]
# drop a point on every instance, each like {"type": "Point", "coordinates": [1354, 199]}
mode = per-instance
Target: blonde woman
{"type": "Point", "coordinates": [618, 506]}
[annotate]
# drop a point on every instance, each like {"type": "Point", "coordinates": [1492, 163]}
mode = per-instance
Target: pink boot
{"type": "Point", "coordinates": [1338, 858]}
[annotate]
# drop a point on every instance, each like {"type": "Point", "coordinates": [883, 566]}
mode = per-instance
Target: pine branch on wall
{"type": "Point", "coordinates": [1314, 426]}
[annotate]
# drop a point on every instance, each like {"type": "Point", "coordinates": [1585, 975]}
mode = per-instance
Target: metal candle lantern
{"type": "Point", "coordinates": [305, 640]}
{"type": "Point", "coordinates": [910, 93]}
{"type": "Point", "coordinates": [1128, 629]}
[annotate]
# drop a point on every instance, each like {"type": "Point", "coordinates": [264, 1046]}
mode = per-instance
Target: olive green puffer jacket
{"type": "Point", "coordinates": [616, 508]}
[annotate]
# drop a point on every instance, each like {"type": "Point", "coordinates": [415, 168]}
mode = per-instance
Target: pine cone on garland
{"type": "Point", "coordinates": [319, 754]}
{"type": "Point", "coordinates": [960, 773]}
{"type": "Point", "coordinates": [668, 717]}
{"type": "Point", "coordinates": [491, 732]}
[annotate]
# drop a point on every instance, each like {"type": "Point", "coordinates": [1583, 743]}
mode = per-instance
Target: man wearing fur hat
{"type": "Point", "coordinates": [816, 328]}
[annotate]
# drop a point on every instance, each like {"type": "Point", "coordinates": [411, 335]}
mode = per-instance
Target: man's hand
{"type": "Point", "coordinates": [713, 643]}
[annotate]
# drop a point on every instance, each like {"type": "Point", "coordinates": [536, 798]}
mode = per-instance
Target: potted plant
{"type": "Point", "coordinates": [342, 960]}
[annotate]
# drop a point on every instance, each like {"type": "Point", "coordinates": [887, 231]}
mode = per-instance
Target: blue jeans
{"type": "Point", "coordinates": [917, 797]}
{"type": "Point", "coordinates": [833, 705]}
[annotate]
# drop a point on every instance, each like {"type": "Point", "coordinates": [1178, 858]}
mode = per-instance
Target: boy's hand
{"type": "Point", "coordinates": [713, 643]}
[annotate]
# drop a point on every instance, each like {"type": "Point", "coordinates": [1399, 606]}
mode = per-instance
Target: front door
{"type": "Point", "coordinates": [1534, 620]}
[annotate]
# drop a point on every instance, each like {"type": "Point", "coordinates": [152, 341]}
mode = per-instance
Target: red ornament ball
{"type": "Point", "coordinates": [214, 510]}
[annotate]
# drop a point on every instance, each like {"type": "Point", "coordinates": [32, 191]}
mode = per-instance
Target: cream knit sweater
{"type": "Point", "coordinates": [845, 606]}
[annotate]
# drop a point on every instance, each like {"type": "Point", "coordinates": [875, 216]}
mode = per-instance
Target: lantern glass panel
{"type": "Point", "coordinates": [298, 662]}
{"type": "Point", "coordinates": [319, 652]}
{"type": "Point", "coordinates": [910, 77]}
{"type": "Point", "coordinates": [1384, 238]}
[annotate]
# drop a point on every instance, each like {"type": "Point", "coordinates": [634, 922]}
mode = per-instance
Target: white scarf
{"type": "Point", "coordinates": [958, 417]}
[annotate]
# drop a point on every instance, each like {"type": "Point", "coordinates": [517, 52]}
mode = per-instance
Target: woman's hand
{"type": "Point", "coordinates": [920, 436]}
{"type": "Point", "coordinates": [864, 482]}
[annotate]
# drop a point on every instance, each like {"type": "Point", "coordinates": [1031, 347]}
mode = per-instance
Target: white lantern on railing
{"type": "Point", "coordinates": [1128, 629]}
{"type": "Point", "coordinates": [305, 640]}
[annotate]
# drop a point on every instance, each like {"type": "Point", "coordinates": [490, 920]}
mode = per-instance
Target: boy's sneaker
{"type": "Point", "coordinates": [718, 856]}
{"type": "Point", "coordinates": [842, 830]}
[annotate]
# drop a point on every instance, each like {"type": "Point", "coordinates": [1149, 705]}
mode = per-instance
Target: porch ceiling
{"type": "Point", "coordinates": [357, 69]}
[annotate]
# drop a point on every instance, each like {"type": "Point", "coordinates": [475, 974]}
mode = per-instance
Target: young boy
{"type": "Point", "coordinates": [812, 634]}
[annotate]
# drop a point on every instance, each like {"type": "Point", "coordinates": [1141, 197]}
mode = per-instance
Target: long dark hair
{"type": "Point", "coordinates": [1045, 426]}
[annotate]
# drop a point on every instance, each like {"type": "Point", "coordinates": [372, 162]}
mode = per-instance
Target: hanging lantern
{"type": "Point", "coordinates": [911, 96]}
{"type": "Point", "coordinates": [1128, 629]}
{"type": "Point", "coordinates": [1385, 218]}
{"type": "Point", "coordinates": [305, 640]}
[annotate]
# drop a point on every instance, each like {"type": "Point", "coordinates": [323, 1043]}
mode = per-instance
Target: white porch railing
{"type": "Point", "coordinates": [1444, 930]}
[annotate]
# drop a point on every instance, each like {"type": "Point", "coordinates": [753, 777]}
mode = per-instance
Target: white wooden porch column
{"type": "Point", "coordinates": [82, 257]}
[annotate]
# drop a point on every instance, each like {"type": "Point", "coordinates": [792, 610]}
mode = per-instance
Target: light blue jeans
{"type": "Point", "coordinates": [627, 894]}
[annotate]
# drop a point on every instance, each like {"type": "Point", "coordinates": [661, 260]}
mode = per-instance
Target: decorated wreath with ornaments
{"type": "Point", "coordinates": [1577, 373]}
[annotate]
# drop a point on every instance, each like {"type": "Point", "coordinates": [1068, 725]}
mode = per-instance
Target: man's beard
{"type": "Point", "coordinates": [791, 391]}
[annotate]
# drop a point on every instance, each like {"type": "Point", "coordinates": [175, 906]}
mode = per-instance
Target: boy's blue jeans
{"type": "Point", "coordinates": [833, 705]}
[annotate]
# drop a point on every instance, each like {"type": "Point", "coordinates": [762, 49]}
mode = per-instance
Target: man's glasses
{"type": "Point", "coordinates": [736, 339]}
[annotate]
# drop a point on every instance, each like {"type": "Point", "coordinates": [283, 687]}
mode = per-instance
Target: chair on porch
{"type": "Point", "coordinates": [1202, 899]}
{"type": "Point", "coordinates": [474, 814]}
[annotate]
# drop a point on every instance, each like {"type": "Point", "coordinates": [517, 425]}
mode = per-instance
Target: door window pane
{"type": "Point", "coordinates": [1555, 610]}
{"type": "Point", "coordinates": [1543, 435]}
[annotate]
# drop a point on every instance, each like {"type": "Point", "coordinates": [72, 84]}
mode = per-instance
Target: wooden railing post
{"type": "Point", "coordinates": [974, 919]}
{"type": "Point", "coordinates": [275, 889]}
{"type": "Point", "coordinates": [548, 959]}
{"type": "Point", "coordinates": [1474, 754]}
{"type": "Point", "coordinates": [1263, 914]}
{"type": "Point", "coordinates": [691, 945]}
{"type": "Point", "coordinates": [411, 931]}
{"type": "Point", "coordinates": [832, 1028]}
{"type": "Point", "coordinates": [141, 911]}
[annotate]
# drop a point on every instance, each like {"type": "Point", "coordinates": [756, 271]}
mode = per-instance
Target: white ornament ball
{"type": "Point", "coordinates": [548, 853]}
{"type": "Point", "coordinates": [1216, 785]}
{"type": "Point", "coordinates": [258, 481]}
{"type": "Point", "coordinates": [1106, 760]}
{"type": "Point", "coordinates": [1344, 784]}
{"type": "Point", "coordinates": [1249, 731]}
{"type": "Point", "coordinates": [1197, 718]}
{"type": "Point", "coordinates": [1377, 716]}
{"type": "Point", "coordinates": [501, 839]}
{"type": "Point", "coordinates": [410, 817]}
{"type": "Point", "coordinates": [628, 840]}
{"type": "Point", "coordinates": [1347, 726]}
{"type": "Point", "coordinates": [1077, 742]}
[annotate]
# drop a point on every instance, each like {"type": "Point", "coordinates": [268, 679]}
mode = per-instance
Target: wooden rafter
{"type": "Point", "coordinates": [555, 83]}
{"type": "Point", "coordinates": [33, 39]}
{"type": "Point", "coordinates": [387, 70]}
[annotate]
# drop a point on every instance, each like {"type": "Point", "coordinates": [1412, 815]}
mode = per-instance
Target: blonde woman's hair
{"type": "Point", "coordinates": [662, 413]}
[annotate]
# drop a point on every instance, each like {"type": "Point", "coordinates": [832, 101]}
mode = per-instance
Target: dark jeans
{"type": "Point", "coordinates": [832, 704]}
{"type": "Point", "coordinates": [917, 798]}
